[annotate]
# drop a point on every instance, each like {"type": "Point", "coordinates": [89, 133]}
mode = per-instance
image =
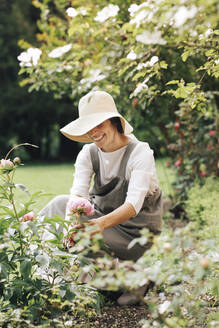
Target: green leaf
{"type": "Point", "coordinates": [22, 187]}
{"type": "Point", "coordinates": [172, 82]}
{"type": "Point", "coordinates": [185, 55]}
{"type": "Point", "coordinates": [25, 268]}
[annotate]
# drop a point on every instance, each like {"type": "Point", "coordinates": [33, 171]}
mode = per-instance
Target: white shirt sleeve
{"type": "Point", "coordinates": [142, 175]}
{"type": "Point", "coordinates": [83, 173]}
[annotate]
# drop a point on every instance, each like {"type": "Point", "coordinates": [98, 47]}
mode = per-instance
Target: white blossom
{"type": "Point", "coordinates": [107, 12]}
{"type": "Point", "coordinates": [182, 14]}
{"type": "Point", "coordinates": [60, 51]}
{"type": "Point", "coordinates": [153, 60]}
{"type": "Point", "coordinates": [30, 57]}
{"type": "Point", "coordinates": [148, 37]}
{"type": "Point", "coordinates": [208, 32]}
{"type": "Point", "coordinates": [140, 88]}
{"type": "Point", "coordinates": [71, 12]}
{"type": "Point", "coordinates": [143, 15]}
{"type": "Point", "coordinates": [163, 307]}
{"type": "Point", "coordinates": [142, 65]}
{"type": "Point", "coordinates": [133, 9]}
{"type": "Point", "coordinates": [150, 63]}
{"type": "Point", "coordinates": [132, 55]}
{"type": "Point", "coordinates": [95, 75]}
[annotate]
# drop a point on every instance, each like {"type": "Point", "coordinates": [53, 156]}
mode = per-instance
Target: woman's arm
{"type": "Point", "coordinates": [120, 215]}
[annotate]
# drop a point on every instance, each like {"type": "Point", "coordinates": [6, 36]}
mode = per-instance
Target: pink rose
{"type": "Point", "coordinates": [27, 217]}
{"type": "Point", "coordinates": [6, 164]}
{"type": "Point", "coordinates": [79, 205]}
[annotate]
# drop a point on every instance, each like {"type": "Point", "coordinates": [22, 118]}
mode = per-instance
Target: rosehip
{"type": "Point", "coordinates": [134, 102]}
{"type": "Point", "coordinates": [167, 247]}
{"type": "Point", "coordinates": [178, 162]}
{"type": "Point", "coordinates": [204, 262]}
{"type": "Point", "coordinates": [212, 133]}
{"type": "Point", "coordinates": [203, 173]}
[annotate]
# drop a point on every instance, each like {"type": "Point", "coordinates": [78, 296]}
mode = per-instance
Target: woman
{"type": "Point", "coordinates": [125, 194]}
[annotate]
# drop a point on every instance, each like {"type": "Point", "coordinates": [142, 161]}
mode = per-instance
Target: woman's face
{"type": "Point", "coordinates": [105, 136]}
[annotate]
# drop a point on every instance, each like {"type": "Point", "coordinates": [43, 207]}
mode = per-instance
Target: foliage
{"type": "Point", "coordinates": [150, 56]}
{"type": "Point", "coordinates": [39, 279]}
{"type": "Point", "coordinates": [182, 264]}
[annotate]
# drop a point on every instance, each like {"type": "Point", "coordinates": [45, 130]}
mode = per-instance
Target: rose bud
{"type": "Point", "coordinates": [17, 160]}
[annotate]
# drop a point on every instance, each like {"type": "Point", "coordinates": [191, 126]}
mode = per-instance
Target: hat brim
{"type": "Point", "coordinates": [77, 130]}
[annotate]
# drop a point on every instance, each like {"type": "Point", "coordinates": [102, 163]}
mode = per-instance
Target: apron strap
{"type": "Point", "coordinates": [125, 158]}
{"type": "Point", "coordinates": [94, 158]}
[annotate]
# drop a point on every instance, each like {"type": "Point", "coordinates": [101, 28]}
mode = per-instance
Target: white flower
{"type": "Point", "coordinates": [139, 88]}
{"type": "Point", "coordinates": [132, 55]}
{"type": "Point", "coordinates": [106, 12]}
{"type": "Point", "coordinates": [150, 63]}
{"type": "Point", "coordinates": [30, 57]}
{"type": "Point", "coordinates": [153, 60]}
{"type": "Point", "coordinates": [140, 17]}
{"type": "Point", "coordinates": [142, 65]}
{"type": "Point", "coordinates": [133, 8]}
{"type": "Point", "coordinates": [163, 307]}
{"type": "Point", "coordinates": [143, 15]}
{"type": "Point", "coordinates": [183, 14]}
{"type": "Point", "coordinates": [148, 37]}
{"type": "Point", "coordinates": [208, 32]}
{"type": "Point", "coordinates": [95, 75]}
{"type": "Point", "coordinates": [71, 12]}
{"type": "Point", "coordinates": [60, 51]}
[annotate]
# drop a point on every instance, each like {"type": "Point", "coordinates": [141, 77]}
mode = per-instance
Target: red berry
{"type": "Point", "coordinates": [212, 133]}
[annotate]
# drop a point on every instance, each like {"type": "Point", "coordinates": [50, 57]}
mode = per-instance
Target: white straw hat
{"type": "Point", "coordinates": [94, 108]}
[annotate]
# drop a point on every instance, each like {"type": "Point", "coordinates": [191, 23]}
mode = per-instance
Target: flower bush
{"type": "Point", "coordinates": [39, 278]}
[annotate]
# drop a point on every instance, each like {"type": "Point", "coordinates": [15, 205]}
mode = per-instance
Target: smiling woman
{"type": "Point", "coordinates": [126, 195]}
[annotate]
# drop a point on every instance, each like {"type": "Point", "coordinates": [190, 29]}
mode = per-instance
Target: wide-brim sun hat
{"type": "Point", "coordinates": [94, 108]}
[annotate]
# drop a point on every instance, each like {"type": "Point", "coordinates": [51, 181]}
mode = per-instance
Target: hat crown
{"type": "Point", "coordinates": [96, 102]}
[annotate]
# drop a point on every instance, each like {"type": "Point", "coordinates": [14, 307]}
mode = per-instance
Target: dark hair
{"type": "Point", "coordinates": [117, 123]}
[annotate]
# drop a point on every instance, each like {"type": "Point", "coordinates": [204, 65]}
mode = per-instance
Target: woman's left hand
{"type": "Point", "coordinates": [98, 224]}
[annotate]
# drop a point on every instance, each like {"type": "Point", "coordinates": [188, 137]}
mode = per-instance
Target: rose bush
{"type": "Point", "coordinates": [37, 279]}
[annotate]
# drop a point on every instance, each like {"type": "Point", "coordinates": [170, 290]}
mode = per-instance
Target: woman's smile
{"type": "Point", "coordinates": [106, 137]}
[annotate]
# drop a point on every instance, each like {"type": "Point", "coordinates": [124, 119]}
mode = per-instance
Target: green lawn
{"type": "Point", "coordinates": [57, 179]}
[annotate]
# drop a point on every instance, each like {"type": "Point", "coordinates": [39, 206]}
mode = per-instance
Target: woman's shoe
{"type": "Point", "coordinates": [134, 297]}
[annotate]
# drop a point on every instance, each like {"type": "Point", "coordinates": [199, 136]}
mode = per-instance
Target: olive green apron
{"type": "Point", "coordinates": [110, 196]}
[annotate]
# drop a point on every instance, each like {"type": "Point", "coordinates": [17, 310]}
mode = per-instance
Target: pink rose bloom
{"type": "Point", "coordinates": [6, 164]}
{"type": "Point", "coordinates": [27, 217]}
{"type": "Point", "coordinates": [79, 205]}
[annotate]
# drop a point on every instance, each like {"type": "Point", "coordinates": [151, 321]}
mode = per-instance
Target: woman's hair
{"type": "Point", "coordinates": [117, 123]}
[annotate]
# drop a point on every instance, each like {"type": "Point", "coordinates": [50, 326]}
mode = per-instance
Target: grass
{"type": "Point", "coordinates": [56, 179]}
